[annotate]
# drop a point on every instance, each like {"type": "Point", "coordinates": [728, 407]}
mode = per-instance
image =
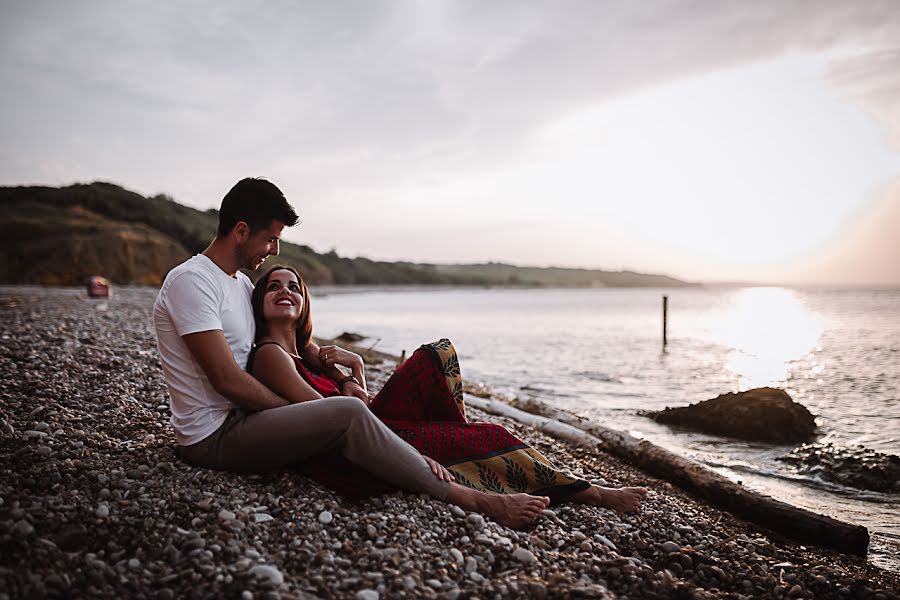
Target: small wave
{"type": "Point", "coordinates": [601, 377]}
{"type": "Point", "coordinates": [533, 389]}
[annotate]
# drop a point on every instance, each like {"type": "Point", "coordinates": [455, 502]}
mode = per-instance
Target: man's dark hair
{"type": "Point", "coordinates": [257, 202]}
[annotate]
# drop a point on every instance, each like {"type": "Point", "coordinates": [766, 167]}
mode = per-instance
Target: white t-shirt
{"type": "Point", "coordinates": [199, 296]}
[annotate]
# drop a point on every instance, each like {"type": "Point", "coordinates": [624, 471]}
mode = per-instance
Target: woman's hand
{"type": "Point", "coordinates": [438, 469]}
{"type": "Point", "coordinates": [335, 355]}
{"type": "Point", "coordinates": [351, 388]}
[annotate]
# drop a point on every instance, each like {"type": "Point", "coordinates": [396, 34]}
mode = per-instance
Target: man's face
{"type": "Point", "coordinates": [260, 244]}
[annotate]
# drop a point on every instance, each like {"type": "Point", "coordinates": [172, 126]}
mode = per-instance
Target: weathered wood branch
{"type": "Point", "coordinates": [779, 517]}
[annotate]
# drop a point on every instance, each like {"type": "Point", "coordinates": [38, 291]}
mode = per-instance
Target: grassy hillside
{"type": "Point", "coordinates": [59, 236]}
{"type": "Point", "coordinates": [557, 276]}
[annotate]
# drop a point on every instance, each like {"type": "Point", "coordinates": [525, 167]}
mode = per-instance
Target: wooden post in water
{"type": "Point", "coordinates": [665, 320]}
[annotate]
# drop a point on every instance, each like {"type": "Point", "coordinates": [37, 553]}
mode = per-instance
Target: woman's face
{"type": "Point", "coordinates": [283, 298]}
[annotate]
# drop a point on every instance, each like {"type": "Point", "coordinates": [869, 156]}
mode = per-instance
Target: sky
{"type": "Point", "coordinates": [707, 140]}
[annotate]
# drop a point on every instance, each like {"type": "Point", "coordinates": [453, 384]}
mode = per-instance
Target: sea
{"type": "Point", "coordinates": [599, 353]}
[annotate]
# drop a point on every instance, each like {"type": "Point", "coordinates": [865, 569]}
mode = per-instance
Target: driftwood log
{"type": "Point", "coordinates": [778, 517]}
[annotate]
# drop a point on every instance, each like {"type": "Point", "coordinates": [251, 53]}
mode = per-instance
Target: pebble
{"type": "Point", "coordinates": [471, 564]}
{"type": "Point", "coordinates": [538, 590]}
{"type": "Point", "coordinates": [457, 511]}
{"type": "Point", "coordinates": [102, 511]}
{"type": "Point", "coordinates": [226, 515]}
{"type": "Point", "coordinates": [268, 572]}
{"type": "Point", "coordinates": [367, 595]}
{"type": "Point", "coordinates": [457, 556]}
{"type": "Point", "coordinates": [606, 542]}
{"type": "Point", "coordinates": [24, 528]}
{"type": "Point", "coordinates": [670, 547]}
{"type": "Point", "coordinates": [262, 517]}
{"type": "Point", "coordinates": [524, 556]}
{"type": "Point", "coordinates": [476, 521]}
{"type": "Point", "coordinates": [325, 517]}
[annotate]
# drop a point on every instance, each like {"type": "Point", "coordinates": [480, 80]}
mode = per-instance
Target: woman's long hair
{"type": "Point", "coordinates": [304, 323]}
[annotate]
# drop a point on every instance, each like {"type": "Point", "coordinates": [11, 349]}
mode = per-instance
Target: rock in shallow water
{"type": "Point", "coordinates": [761, 414]}
{"type": "Point", "coordinates": [858, 467]}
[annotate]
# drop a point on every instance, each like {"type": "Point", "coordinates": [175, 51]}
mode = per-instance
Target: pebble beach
{"type": "Point", "coordinates": [94, 502]}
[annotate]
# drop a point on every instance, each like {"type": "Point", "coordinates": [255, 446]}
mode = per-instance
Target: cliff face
{"type": "Point", "coordinates": [76, 243]}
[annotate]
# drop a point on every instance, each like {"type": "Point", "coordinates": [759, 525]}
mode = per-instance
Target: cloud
{"type": "Point", "coordinates": [871, 79]}
{"type": "Point", "coordinates": [348, 104]}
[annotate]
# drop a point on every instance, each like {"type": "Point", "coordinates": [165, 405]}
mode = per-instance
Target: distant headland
{"type": "Point", "coordinates": [60, 236]}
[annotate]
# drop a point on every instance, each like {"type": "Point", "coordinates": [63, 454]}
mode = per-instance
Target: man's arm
{"type": "Point", "coordinates": [211, 350]}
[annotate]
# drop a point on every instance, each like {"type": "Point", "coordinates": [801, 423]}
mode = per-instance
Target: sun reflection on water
{"type": "Point", "coordinates": [767, 331]}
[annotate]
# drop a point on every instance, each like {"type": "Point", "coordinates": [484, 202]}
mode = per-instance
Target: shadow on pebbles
{"type": "Point", "coordinates": [93, 502]}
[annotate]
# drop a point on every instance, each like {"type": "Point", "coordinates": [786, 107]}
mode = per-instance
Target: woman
{"type": "Point", "coordinates": [422, 403]}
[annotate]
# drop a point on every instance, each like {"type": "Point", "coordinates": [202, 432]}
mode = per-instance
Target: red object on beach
{"type": "Point", "coordinates": [98, 287]}
{"type": "Point", "coordinates": [420, 405]}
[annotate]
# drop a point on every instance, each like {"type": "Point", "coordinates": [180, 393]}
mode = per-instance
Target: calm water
{"type": "Point", "coordinates": [598, 353]}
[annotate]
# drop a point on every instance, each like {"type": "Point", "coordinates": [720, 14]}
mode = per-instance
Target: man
{"type": "Point", "coordinates": [225, 419]}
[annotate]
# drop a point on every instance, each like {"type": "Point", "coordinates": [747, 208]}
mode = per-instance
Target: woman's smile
{"type": "Point", "coordinates": [283, 294]}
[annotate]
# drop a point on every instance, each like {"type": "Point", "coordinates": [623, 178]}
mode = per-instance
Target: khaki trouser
{"type": "Point", "coordinates": [279, 437]}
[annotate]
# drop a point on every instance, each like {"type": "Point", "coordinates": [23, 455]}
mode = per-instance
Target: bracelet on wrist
{"type": "Point", "coordinates": [347, 379]}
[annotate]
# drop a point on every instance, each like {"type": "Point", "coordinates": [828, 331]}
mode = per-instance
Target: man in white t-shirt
{"type": "Point", "coordinates": [204, 322]}
{"type": "Point", "coordinates": [225, 419]}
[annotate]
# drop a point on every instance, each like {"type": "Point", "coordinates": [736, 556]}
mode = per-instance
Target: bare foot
{"type": "Point", "coordinates": [627, 499]}
{"type": "Point", "coordinates": [516, 510]}
{"type": "Point", "coordinates": [511, 510]}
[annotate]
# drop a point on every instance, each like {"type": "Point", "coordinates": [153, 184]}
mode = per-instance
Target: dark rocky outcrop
{"type": "Point", "coordinates": [77, 243]}
{"type": "Point", "coordinates": [857, 467]}
{"type": "Point", "coordinates": [761, 414]}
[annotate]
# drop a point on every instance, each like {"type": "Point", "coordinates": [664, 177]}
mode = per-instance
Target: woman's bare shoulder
{"type": "Point", "coordinates": [268, 355]}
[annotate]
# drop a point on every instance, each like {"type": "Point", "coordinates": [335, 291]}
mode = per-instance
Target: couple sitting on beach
{"type": "Point", "coordinates": [293, 406]}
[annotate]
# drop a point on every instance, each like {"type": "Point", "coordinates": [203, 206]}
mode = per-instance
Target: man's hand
{"type": "Point", "coordinates": [439, 470]}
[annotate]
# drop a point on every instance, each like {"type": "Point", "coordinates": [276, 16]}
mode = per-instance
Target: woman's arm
{"type": "Point", "coordinates": [338, 356]}
{"type": "Point", "coordinates": [275, 368]}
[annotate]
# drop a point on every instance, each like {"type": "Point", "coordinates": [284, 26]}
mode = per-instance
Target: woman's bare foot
{"type": "Point", "coordinates": [516, 510]}
{"type": "Point", "coordinates": [627, 499]}
{"type": "Point", "coordinates": [511, 510]}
